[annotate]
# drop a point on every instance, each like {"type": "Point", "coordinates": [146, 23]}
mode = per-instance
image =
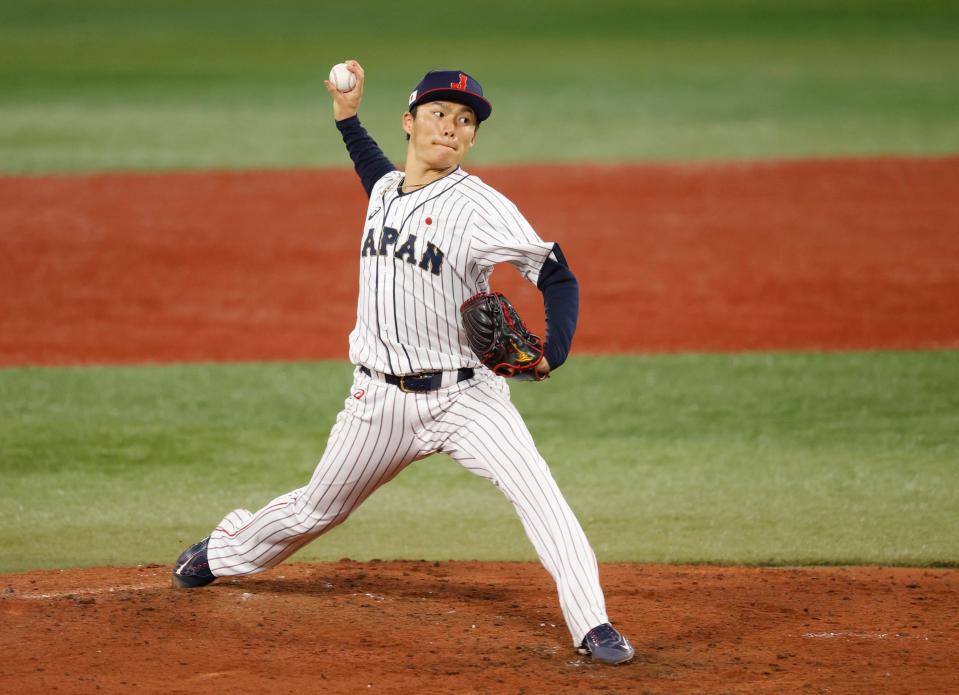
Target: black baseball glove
{"type": "Point", "coordinates": [499, 337]}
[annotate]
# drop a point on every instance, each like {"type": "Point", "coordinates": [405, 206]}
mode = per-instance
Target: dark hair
{"type": "Point", "coordinates": [413, 114]}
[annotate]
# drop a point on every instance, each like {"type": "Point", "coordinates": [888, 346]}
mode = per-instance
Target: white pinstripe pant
{"type": "Point", "coordinates": [377, 436]}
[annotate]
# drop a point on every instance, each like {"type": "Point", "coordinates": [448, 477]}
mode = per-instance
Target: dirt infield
{"type": "Point", "coordinates": [460, 627]}
{"type": "Point", "coordinates": [261, 266]}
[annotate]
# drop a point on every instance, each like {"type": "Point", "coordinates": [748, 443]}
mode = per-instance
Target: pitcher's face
{"type": "Point", "coordinates": [441, 133]}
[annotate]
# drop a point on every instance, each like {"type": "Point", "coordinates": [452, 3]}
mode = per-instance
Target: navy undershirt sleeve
{"type": "Point", "coordinates": [368, 159]}
{"type": "Point", "coordinates": [561, 299]}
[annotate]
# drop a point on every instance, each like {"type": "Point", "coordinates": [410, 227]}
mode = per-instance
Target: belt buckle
{"type": "Point", "coordinates": [406, 389]}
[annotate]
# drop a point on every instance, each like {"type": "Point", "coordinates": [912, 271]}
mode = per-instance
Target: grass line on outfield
{"type": "Point", "coordinates": [779, 459]}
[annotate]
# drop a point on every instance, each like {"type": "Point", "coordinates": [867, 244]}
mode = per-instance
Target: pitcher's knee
{"type": "Point", "coordinates": [315, 521]}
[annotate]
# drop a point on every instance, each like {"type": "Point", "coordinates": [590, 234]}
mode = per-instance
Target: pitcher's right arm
{"type": "Point", "coordinates": [368, 159]}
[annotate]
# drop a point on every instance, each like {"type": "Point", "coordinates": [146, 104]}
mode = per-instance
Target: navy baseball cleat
{"type": "Point", "coordinates": [191, 568]}
{"type": "Point", "coordinates": [605, 644]}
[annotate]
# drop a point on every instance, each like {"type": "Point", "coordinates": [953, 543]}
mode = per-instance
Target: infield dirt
{"type": "Point", "coordinates": [258, 266]}
{"type": "Point", "coordinates": [856, 254]}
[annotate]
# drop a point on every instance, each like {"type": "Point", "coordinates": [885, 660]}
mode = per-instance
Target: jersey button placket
{"type": "Point", "coordinates": [386, 271]}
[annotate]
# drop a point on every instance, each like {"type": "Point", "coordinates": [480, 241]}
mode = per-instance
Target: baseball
{"type": "Point", "coordinates": [343, 79]}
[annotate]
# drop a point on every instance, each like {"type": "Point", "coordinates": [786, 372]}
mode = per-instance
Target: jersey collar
{"type": "Point", "coordinates": [399, 184]}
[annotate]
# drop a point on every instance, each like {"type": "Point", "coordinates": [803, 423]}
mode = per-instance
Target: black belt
{"type": "Point", "coordinates": [416, 383]}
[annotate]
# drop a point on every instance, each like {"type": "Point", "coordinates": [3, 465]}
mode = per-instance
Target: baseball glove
{"type": "Point", "coordinates": [499, 337]}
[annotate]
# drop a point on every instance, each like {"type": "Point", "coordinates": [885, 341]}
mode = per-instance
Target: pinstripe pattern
{"type": "Point", "coordinates": [491, 440]}
{"type": "Point", "coordinates": [377, 436]}
{"type": "Point", "coordinates": [408, 321]}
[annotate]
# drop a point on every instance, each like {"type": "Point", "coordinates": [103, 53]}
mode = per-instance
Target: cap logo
{"type": "Point", "coordinates": [461, 84]}
{"type": "Point", "coordinates": [413, 96]}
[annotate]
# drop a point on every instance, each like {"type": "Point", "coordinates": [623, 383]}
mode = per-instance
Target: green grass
{"type": "Point", "coordinates": [762, 458]}
{"type": "Point", "coordinates": [110, 84]}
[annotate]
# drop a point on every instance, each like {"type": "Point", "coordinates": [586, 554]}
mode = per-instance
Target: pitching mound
{"type": "Point", "coordinates": [478, 627]}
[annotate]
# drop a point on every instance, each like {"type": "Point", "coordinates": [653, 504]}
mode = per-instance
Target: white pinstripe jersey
{"type": "Point", "coordinates": [422, 254]}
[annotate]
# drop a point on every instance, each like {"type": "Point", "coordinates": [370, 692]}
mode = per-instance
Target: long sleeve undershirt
{"type": "Point", "coordinates": [368, 159]}
{"type": "Point", "coordinates": [561, 300]}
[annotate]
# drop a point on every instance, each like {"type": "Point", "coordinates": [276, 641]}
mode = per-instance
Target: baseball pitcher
{"type": "Point", "coordinates": [433, 348]}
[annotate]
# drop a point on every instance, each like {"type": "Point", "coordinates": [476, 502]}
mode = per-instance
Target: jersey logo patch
{"type": "Point", "coordinates": [359, 394]}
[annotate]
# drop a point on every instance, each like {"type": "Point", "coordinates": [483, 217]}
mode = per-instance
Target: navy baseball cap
{"type": "Point", "coordinates": [452, 85]}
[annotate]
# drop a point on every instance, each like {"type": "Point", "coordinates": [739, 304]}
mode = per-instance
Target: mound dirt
{"type": "Point", "coordinates": [467, 627]}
